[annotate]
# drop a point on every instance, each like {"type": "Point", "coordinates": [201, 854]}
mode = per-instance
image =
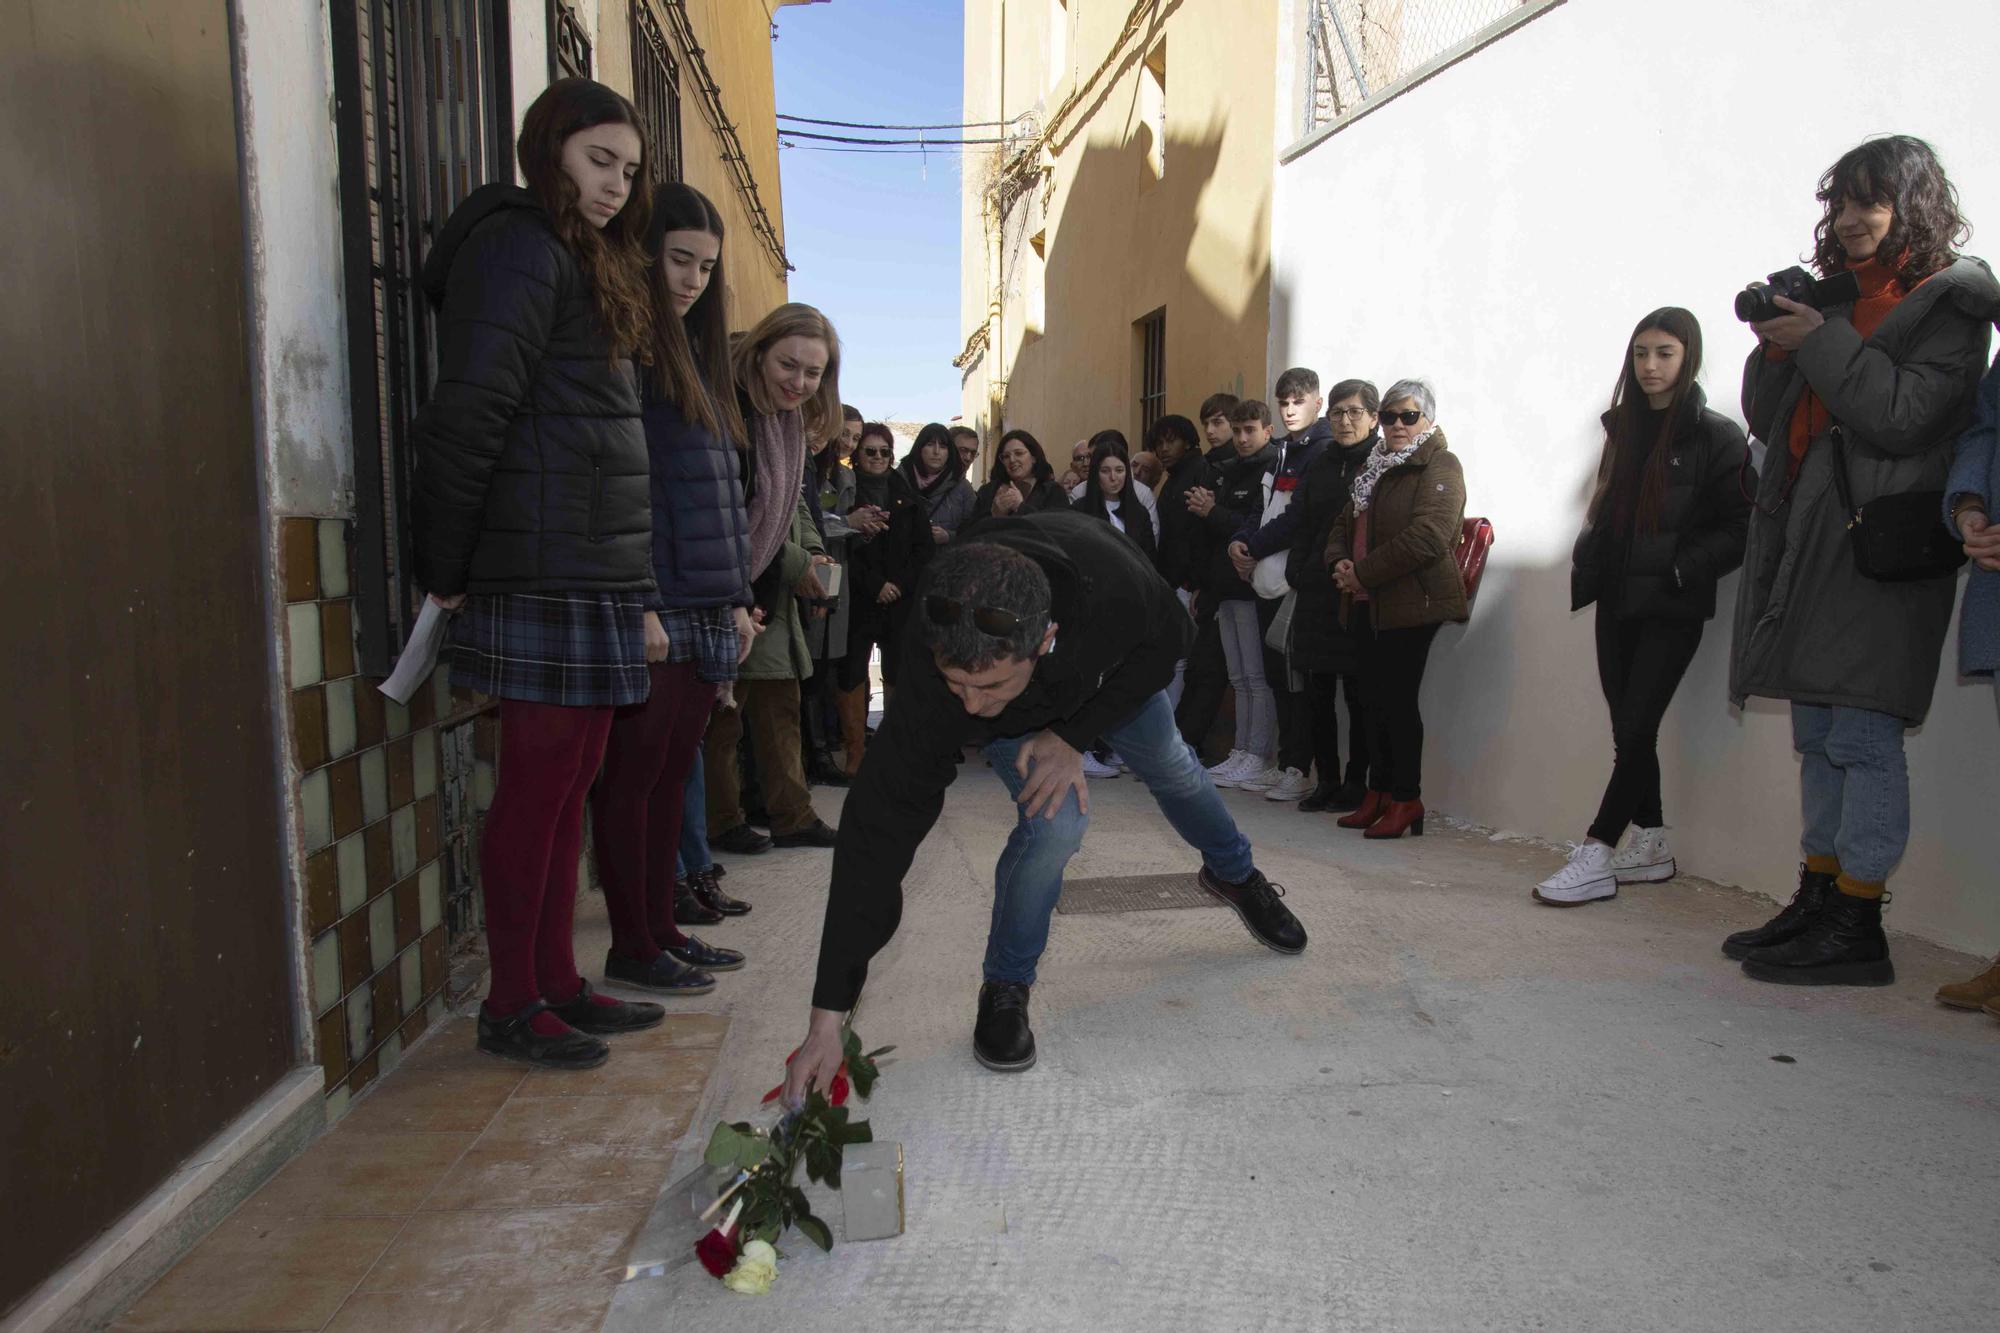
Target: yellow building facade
{"type": "Point", "coordinates": [1115, 259]}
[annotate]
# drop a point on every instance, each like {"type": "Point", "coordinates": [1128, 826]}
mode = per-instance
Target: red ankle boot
{"type": "Point", "coordinates": [1371, 810]}
{"type": "Point", "coordinates": [1400, 816]}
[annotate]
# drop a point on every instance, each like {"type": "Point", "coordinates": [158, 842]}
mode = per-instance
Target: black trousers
{"type": "Point", "coordinates": [1392, 674]}
{"type": "Point", "coordinates": [1206, 681]}
{"type": "Point", "coordinates": [1640, 662]}
{"type": "Point", "coordinates": [1295, 736]}
{"type": "Point", "coordinates": [1322, 702]}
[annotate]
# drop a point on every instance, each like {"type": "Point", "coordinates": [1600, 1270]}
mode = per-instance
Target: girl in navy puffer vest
{"type": "Point", "coordinates": [701, 560]}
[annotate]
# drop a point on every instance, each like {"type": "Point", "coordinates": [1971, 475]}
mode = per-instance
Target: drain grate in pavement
{"type": "Point", "coordinates": [1132, 893]}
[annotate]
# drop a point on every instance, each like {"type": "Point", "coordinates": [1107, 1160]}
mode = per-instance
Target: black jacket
{"type": "Point", "coordinates": [531, 461]}
{"type": "Point", "coordinates": [1239, 502]}
{"type": "Point", "coordinates": [701, 531]}
{"type": "Point", "coordinates": [1319, 641]}
{"type": "Point", "coordinates": [1047, 495]}
{"type": "Point", "coordinates": [1138, 523]}
{"type": "Point", "coordinates": [1294, 456]}
{"type": "Point", "coordinates": [1119, 631]}
{"type": "Point", "coordinates": [898, 553]}
{"type": "Point", "coordinates": [1183, 540]}
{"type": "Point", "coordinates": [1704, 518]}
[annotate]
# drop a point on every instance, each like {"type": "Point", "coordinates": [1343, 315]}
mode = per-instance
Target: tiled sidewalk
{"type": "Point", "coordinates": [465, 1192]}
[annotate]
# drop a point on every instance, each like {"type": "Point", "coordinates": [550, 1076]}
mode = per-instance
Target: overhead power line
{"type": "Point", "coordinates": [858, 125]}
{"type": "Point", "coordinates": [922, 143]}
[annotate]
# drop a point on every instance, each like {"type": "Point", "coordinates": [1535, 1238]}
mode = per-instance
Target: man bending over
{"type": "Point", "coordinates": [1034, 636]}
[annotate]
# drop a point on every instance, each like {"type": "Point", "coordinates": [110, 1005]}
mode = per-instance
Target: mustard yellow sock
{"type": "Point", "coordinates": [1858, 888]}
{"type": "Point", "coordinates": [1822, 865]}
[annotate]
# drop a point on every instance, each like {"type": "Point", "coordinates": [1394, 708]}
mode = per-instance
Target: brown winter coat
{"type": "Point", "coordinates": [1414, 519]}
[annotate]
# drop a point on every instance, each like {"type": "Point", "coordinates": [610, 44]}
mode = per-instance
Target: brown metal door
{"type": "Point", "coordinates": [144, 977]}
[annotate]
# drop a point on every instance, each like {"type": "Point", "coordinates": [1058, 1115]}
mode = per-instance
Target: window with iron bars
{"type": "Point", "coordinates": [1152, 339]}
{"type": "Point", "coordinates": [1360, 53]}
{"type": "Point", "coordinates": [569, 44]}
{"type": "Point", "coordinates": [423, 116]}
{"type": "Point", "coordinates": [656, 91]}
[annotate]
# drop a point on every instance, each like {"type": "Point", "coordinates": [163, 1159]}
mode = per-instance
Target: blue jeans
{"type": "Point", "coordinates": [1029, 878]}
{"type": "Point", "coordinates": [694, 853]}
{"type": "Point", "coordinates": [1854, 786]}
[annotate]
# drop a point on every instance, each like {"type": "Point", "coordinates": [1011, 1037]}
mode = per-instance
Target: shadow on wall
{"type": "Point", "coordinates": [1082, 371]}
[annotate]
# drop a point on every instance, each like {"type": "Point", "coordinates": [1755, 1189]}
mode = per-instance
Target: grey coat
{"type": "Point", "coordinates": [1809, 626]}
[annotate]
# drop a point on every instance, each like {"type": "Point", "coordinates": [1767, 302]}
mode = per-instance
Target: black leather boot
{"type": "Point", "coordinates": [1787, 924]}
{"type": "Point", "coordinates": [707, 888]}
{"type": "Point", "coordinates": [1320, 799]}
{"type": "Point", "coordinates": [1843, 945]}
{"type": "Point", "coordinates": [690, 910]}
{"type": "Point", "coordinates": [1001, 1039]}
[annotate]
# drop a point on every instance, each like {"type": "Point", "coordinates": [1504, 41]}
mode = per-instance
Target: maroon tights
{"type": "Point", "coordinates": [636, 810]}
{"type": "Point", "coordinates": [534, 835]}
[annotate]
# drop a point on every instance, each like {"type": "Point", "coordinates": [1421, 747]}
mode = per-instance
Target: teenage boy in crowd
{"type": "Point", "coordinates": [1307, 434]}
{"type": "Point", "coordinates": [1032, 636]}
{"type": "Point", "coordinates": [1217, 432]}
{"type": "Point", "coordinates": [1182, 547]}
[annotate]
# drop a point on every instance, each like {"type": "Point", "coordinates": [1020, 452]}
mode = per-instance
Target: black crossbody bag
{"type": "Point", "coordinates": [1897, 538]}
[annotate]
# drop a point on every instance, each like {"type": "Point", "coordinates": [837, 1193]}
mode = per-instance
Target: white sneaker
{"type": "Point", "coordinates": [1646, 859]}
{"type": "Point", "coordinates": [1094, 768]}
{"type": "Point", "coordinates": [1263, 781]}
{"type": "Point", "coordinates": [1117, 761]}
{"type": "Point", "coordinates": [1224, 773]}
{"type": "Point", "coordinates": [1295, 786]}
{"type": "Point", "coordinates": [1585, 879]}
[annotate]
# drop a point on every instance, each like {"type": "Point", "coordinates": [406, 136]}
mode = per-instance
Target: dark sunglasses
{"type": "Point", "coordinates": [878, 453]}
{"type": "Point", "coordinates": [1388, 418]}
{"type": "Point", "coordinates": [990, 620]}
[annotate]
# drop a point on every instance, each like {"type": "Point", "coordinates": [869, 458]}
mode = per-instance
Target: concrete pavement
{"type": "Point", "coordinates": [1457, 1110]}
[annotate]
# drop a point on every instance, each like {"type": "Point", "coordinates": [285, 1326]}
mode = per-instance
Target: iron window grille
{"type": "Point", "coordinates": [1152, 371]}
{"type": "Point", "coordinates": [423, 117]}
{"type": "Point", "coordinates": [656, 91]}
{"type": "Point", "coordinates": [569, 44]}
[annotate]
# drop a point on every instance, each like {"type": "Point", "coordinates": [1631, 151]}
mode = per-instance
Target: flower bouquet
{"type": "Point", "coordinates": [760, 1192]}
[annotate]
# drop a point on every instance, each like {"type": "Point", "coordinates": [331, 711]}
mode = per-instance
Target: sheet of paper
{"type": "Point", "coordinates": [420, 654]}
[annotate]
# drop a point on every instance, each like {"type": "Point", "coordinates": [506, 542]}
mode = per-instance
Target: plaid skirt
{"type": "Point", "coordinates": [705, 637]}
{"type": "Point", "coordinates": [576, 649]}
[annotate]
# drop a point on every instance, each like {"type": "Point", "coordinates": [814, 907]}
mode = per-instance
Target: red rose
{"type": "Point", "coordinates": [836, 1095]}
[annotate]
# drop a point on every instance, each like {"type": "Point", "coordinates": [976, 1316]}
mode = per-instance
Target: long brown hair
{"type": "Point", "coordinates": [1925, 228]}
{"type": "Point", "coordinates": [821, 412]}
{"type": "Point", "coordinates": [611, 257]}
{"type": "Point", "coordinates": [691, 352]}
{"type": "Point", "coordinates": [1625, 423]}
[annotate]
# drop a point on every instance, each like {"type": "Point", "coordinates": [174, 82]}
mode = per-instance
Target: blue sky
{"type": "Point", "coordinates": [874, 236]}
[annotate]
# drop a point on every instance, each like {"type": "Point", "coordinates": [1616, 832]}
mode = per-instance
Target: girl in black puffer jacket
{"type": "Point", "coordinates": [1667, 521]}
{"type": "Point", "coordinates": [531, 512]}
{"type": "Point", "coordinates": [701, 559]}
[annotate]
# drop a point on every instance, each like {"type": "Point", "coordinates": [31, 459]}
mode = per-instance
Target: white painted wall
{"type": "Point", "coordinates": [292, 211]}
{"type": "Point", "coordinates": [1498, 230]}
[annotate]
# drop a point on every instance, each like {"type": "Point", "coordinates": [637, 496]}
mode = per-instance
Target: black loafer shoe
{"type": "Point", "coordinates": [742, 841]}
{"type": "Point", "coordinates": [1001, 1038]}
{"type": "Point", "coordinates": [1255, 900]}
{"type": "Point", "coordinates": [709, 894]}
{"type": "Point", "coordinates": [690, 910]}
{"type": "Point", "coordinates": [666, 973]}
{"type": "Point", "coordinates": [621, 1016]}
{"type": "Point", "coordinates": [816, 834]}
{"type": "Point", "coordinates": [512, 1039]}
{"type": "Point", "coordinates": [705, 956]}
{"type": "Point", "coordinates": [1321, 799]}
{"type": "Point", "coordinates": [1349, 797]}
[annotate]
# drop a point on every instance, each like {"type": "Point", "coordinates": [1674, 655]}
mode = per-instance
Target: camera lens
{"type": "Point", "coordinates": [1753, 303]}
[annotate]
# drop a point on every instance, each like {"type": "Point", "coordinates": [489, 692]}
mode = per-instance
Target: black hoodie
{"type": "Point", "coordinates": [1119, 631]}
{"type": "Point", "coordinates": [531, 459]}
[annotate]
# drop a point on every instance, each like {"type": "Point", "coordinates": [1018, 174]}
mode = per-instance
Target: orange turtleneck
{"type": "Point", "coordinates": [1881, 289]}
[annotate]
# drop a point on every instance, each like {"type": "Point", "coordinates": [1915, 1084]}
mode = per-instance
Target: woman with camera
{"type": "Point", "coordinates": [1858, 406]}
{"type": "Point", "coordinates": [1391, 553]}
{"type": "Point", "coordinates": [1666, 521]}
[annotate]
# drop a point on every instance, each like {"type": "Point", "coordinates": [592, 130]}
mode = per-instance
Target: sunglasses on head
{"type": "Point", "coordinates": [1409, 418]}
{"type": "Point", "coordinates": [989, 620]}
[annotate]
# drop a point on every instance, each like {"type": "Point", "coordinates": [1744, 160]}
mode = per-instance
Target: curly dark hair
{"type": "Point", "coordinates": [1903, 172]}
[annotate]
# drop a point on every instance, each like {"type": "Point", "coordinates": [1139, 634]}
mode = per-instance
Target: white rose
{"type": "Point", "coordinates": [756, 1268]}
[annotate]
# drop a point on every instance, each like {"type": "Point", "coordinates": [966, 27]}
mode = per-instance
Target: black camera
{"type": "Point", "coordinates": [1754, 304]}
